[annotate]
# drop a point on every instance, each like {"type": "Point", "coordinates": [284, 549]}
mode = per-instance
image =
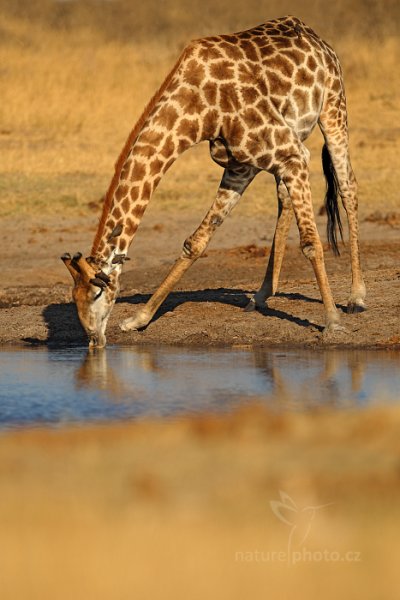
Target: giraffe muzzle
{"type": "Point", "coordinates": [96, 340]}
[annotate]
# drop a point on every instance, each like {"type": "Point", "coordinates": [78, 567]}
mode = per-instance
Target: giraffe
{"type": "Point", "coordinates": [255, 96]}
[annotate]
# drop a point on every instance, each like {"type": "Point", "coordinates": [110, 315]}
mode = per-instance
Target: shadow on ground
{"type": "Point", "coordinates": [64, 328]}
{"type": "Point", "coordinates": [231, 297]}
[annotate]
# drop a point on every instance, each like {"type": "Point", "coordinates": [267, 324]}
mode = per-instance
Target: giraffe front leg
{"type": "Point", "coordinates": [146, 313]}
{"type": "Point", "coordinates": [271, 279]}
{"type": "Point", "coordinates": [232, 186]}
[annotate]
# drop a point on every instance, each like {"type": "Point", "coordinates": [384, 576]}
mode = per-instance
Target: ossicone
{"type": "Point", "coordinates": [85, 270]}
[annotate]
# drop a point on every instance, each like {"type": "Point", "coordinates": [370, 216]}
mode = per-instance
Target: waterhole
{"type": "Point", "coordinates": [57, 387]}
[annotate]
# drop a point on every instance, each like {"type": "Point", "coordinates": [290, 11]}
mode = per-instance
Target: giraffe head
{"type": "Point", "coordinates": [94, 294]}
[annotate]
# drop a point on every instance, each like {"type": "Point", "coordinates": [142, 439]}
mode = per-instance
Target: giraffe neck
{"type": "Point", "coordinates": [161, 135]}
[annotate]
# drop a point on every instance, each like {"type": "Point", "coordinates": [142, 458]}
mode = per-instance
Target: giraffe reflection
{"type": "Point", "coordinates": [95, 373]}
{"type": "Point", "coordinates": [297, 379]}
{"type": "Point", "coordinates": [325, 385]}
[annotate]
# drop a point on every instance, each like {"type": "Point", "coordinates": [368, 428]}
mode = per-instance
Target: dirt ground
{"type": "Point", "coordinates": [207, 306]}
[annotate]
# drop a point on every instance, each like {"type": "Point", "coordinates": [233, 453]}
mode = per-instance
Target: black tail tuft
{"type": "Point", "coordinates": [331, 201]}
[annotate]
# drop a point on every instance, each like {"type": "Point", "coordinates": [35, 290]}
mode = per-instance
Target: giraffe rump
{"type": "Point", "coordinates": [331, 201]}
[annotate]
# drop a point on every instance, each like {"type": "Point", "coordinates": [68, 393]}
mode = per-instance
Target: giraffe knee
{"type": "Point", "coordinates": [350, 201]}
{"type": "Point", "coordinates": [312, 250]}
{"type": "Point", "coordinates": [216, 221]}
{"type": "Point", "coordinates": [193, 248]}
{"type": "Point", "coordinates": [309, 251]}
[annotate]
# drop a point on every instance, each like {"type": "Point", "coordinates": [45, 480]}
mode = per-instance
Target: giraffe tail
{"type": "Point", "coordinates": [331, 201]}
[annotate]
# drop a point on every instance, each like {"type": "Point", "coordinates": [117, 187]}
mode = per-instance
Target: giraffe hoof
{"type": "Point", "coordinates": [353, 308]}
{"type": "Point", "coordinates": [333, 328]}
{"type": "Point", "coordinates": [250, 306]}
{"type": "Point", "coordinates": [134, 323]}
{"type": "Point", "coordinates": [126, 326]}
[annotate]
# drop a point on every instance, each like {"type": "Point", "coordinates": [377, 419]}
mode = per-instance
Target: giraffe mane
{"type": "Point", "coordinates": [107, 203]}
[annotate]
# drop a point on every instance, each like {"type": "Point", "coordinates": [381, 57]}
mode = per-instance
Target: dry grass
{"type": "Point", "coordinates": [76, 75]}
{"type": "Point", "coordinates": [158, 510]}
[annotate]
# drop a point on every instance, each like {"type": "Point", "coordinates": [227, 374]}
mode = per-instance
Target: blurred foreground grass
{"type": "Point", "coordinates": [182, 509]}
{"type": "Point", "coordinates": [75, 76]}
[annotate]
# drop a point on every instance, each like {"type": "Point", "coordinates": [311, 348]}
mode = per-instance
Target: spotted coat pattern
{"type": "Point", "coordinates": [255, 96]}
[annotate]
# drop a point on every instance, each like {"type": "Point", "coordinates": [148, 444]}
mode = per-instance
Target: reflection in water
{"type": "Point", "coordinates": [197, 379]}
{"type": "Point", "coordinates": [328, 378]}
{"type": "Point", "coordinates": [117, 383]}
{"type": "Point", "coordinates": [95, 373]}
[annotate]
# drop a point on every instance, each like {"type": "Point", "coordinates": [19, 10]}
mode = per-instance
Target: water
{"type": "Point", "coordinates": [44, 386]}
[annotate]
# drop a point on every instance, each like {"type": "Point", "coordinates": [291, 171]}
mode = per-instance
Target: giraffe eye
{"type": "Point", "coordinates": [97, 296]}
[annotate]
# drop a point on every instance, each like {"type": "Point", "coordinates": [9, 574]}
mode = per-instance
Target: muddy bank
{"type": "Point", "coordinates": [207, 306]}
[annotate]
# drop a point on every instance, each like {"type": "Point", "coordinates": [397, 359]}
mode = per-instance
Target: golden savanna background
{"type": "Point", "coordinates": [76, 75]}
{"type": "Point", "coordinates": [182, 509]}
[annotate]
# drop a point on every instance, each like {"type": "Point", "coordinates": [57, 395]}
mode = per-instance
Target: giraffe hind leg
{"type": "Point", "coordinates": [295, 176]}
{"type": "Point", "coordinates": [234, 182]}
{"type": "Point", "coordinates": [356, 301]}
{"type": "Point", "coordinates": [337, 144]}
